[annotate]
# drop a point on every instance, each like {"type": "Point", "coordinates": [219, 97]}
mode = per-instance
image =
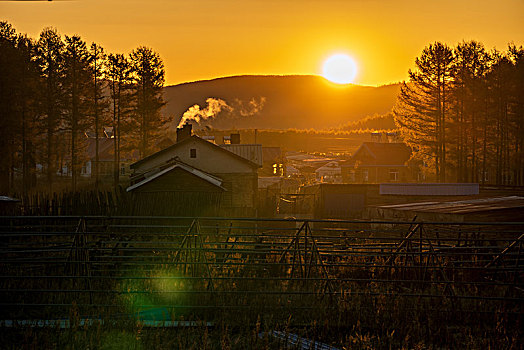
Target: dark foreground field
{"type": "Point", "coordinates": [154, 283]}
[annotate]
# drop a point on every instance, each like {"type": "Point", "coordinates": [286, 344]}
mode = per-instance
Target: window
{"type": "Point", "coordinates": [365, 175]}
{"type": "Point", "coordinates": [393, 175]}
{"type": "Point", "coordinates": [123, 169]}
{"type": "Point", "coordinates": [352, 175]}
{"type": "Point", "coordinates": [192, 153]}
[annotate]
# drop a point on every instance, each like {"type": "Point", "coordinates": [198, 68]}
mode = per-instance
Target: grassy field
{"type": "Point", "coordinates": [104, 283]}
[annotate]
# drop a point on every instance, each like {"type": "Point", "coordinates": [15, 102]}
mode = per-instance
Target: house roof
{"type": "Point", "coordinates": [193, 171]}
{"type": "Point", "coordinates": [252, 152]}
{"type": "Point", "coordinates": [6, 199]}
{"type": "Point", "coordinates": [381, 154]}
{"type": "Point", "coordinates": [105, 148]}
{"type": "Point", "coordinates": [331, 166]}
{"type": "Point", "coordinates": [193, 138]}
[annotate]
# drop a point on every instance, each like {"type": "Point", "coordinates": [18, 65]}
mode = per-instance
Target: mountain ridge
{"type": "Point", "coordinates": [277, 101]}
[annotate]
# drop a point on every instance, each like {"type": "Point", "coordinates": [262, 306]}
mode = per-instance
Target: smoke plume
{"type": "Point", "coordinates": [216, 106]}
{"type": "Point", "coordinates": [195, 113]}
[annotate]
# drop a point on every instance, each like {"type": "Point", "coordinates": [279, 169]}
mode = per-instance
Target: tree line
{"type": "Point", "coordinates": [58, 90]}
{"type": "Point", "coordinates": [462, 112]}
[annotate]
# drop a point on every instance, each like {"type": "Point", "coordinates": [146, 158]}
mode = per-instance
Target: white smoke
{"type": "Point", "coordinates": [252, 107]}
{"type": "Point", "coordinates": [195, 113]}
{"type": "Point", "coordinates": [215, 106]}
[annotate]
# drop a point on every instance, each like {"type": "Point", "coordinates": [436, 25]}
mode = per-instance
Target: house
{"type": "Point", "coordinates": [333, 201]}
{"type": "Point", "coordinates": [377, 162]}
{"type": "Point", "coordinates": [330, 172]}
{"type": "Point", "coordinates": [106, 156]}
{"type": "Point", "coordinates": [193, 172]}
{"type": "Point", "coordinates": [274, 162]}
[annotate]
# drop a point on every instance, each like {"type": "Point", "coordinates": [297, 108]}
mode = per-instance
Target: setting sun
{"type": "Point", "coordinates": [340, 69]}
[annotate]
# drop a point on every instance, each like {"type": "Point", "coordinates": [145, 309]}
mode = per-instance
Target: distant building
{"type": "Point", "coordinates": [196, 173]}
{"type": "Point", "coordinates": [329, 173]}
{"type": "Point", "coordinates": [9, 205]}
{"type": "Point", "coordinates": [274, 162]}
{"type": "Point", "coordinates": [377, 162]}
{"type": "Point", "coordinates": [106, 159]}
{"type": "Point", "coordinates": [328, 201]}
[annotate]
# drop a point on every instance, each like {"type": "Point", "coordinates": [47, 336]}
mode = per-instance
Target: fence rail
{"type": "Point", "coordinates": [206, 268]}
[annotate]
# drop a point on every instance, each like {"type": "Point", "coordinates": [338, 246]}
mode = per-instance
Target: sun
{"type": "Point", "coordinates": [340, 69]}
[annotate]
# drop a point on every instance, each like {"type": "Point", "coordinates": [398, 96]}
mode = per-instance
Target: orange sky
{"type": "Point", "coordinates": [204, 39]}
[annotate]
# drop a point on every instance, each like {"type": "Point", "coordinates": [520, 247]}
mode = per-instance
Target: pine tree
{"type": "Point", "coordinates": [97, 59]}
{"type": "Point", "coordinates": [77, 88]}
{"type": "Point", "coordinates": [148, 80]}
{"type": "Point", "coordinates": [49, 55]}
{"type": "Point", "coordinates": [423, 104]}
{"type": "Point", "coordinates": [118, 75]}
{"type": "Point", "coordinates": [469, 92]}
{"type": "Point", "coordinates": [17, 77]}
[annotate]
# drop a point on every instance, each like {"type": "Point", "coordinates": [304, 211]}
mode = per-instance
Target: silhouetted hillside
{"type": "Point", "coordinates": [374, 122]}
{"type": "Point", "coordinates": [277, 102]}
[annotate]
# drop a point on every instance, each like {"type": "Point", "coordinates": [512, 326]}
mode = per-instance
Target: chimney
{"type": "Point", "coordinates": [235, 139]}
{"type": "Point", "coordinates": [392, 137]}
{"type": "Point", "coordinates": [184, 132]}
{"type": "Point", "coordinates": [376, 136]}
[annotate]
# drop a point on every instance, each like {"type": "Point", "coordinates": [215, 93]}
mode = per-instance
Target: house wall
{"type": "Point", "coordinates": [379, 174]}
{"type": "Point", "coordinates": [335, 200]}
{"type": "Point", "coordinates": [208, 159]}
{"type": "Point", "coordinates": [241, 194]}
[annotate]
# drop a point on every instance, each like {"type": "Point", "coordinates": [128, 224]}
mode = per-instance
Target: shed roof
{"type": "Point", "coordinates": [462, 207]}
{"type": "Point", "coordinates": [252, 152]}
{"type": "Point", "coordinates": [7, 199]}
{"type": "Point", "coordinates": [198, 173]}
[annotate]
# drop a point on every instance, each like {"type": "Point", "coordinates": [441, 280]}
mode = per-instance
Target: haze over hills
{"type": "Point", "coordinates": [276, 102]}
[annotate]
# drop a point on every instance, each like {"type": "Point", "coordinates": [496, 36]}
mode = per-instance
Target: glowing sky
{"type": "Point", "coordinates": [204, 39]}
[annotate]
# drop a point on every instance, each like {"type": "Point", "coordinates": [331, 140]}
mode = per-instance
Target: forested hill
{"type": "Point", "coordinates": [277, 102]}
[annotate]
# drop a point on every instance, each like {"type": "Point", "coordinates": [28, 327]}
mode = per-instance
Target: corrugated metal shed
{"type": "Point", "coordinates": [509, 208]}
{"type": "Point", "coordinates": [429, 189]}
{"type": "Point", "coordinates": [252, 152]}
{"type": "Point", "coordinates": [466, 206]}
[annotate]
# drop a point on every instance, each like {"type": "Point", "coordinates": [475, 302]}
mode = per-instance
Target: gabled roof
{"type": "Point", "coordinates": [193, 138]}
{"type": "Point", "coordinates": [198, 173]}
{"type": "Point", "coordinates": [381, 154]}
{"type": "Point", "coordinates": [105, 148]}
{"type": "Point", "coordinates": [331, 166]}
